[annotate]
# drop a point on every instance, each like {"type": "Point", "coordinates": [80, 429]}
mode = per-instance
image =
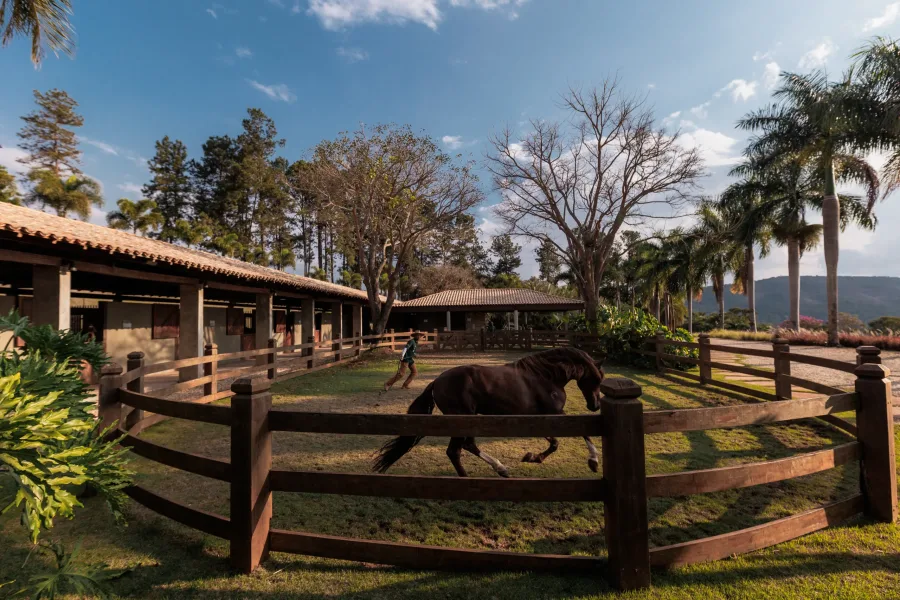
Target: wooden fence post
{"type": "Point", "coordinates": [705, 358]}
{"type": "Point", "coordinates": [358, 343]}
{"type": "Point", "coordinates": [393, 339]}
{"type": "Point", "coordinates": [875, 423]}
{"type": "Point", "coordinates": [251, 461]}
{"type": "Point", "coordinates": [135, 361]}
{"type": "Point", "coordinates": [336, 347]}
{"type": "Point", "coordinates": [211, 369]}
{"type": "Point", "coordinates": [782, 350]}
{"type": "Point", "coordinates": [660, 342]}
{"type": "Point", "coordinates": [270, 358]}
{"type": "Point", "coordinates": [109, 407]}
{"type": "Point", "coordinates": [625, 506]}
{"type": "Point", "coordinates": [529, 338]}
{"type": "Point", "coordinates": [870, 355]}
{"type": "Point", "coordinates": [311, 352]}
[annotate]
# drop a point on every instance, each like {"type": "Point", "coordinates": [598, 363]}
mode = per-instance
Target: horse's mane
{"type": "Point", "coordinates": [559, 364]}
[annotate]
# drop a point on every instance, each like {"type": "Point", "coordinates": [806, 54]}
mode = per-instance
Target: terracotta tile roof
{"type": "Point", "coordinates": [27, 222]}
{"type": "Point", "coordinates": [493, 297]}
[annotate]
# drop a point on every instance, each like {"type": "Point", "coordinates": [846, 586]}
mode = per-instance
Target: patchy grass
{"type": "Point", "coordinates": [169, 561]}
{"type": "Point", "coordinates": [728, 334]}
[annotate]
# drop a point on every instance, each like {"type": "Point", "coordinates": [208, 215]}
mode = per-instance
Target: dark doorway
{"type": "Point", "coordinates": [457, 321]}
{"type": "Point", "coordinates": [289, 329]}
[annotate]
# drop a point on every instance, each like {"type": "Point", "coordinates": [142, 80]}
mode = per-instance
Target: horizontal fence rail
{"type": "Point", "coordinates": [622, 425]}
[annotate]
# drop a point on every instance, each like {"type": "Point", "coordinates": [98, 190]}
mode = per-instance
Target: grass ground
{"type": "Point", "coordinates": [856, 560]}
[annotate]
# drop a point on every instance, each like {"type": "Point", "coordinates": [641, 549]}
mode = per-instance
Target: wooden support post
{"type": "Point", "coordinates": [868, 355]}
{"type": "Point", "coordinates": [529, 338]}
{"type": "Point", "coordinates": [483, 340]}
{"type": "Point", "coordinates": [358, 343]}
{"type": "Point", "coordinates": [109, 407]}
{"type": "Point", "coordinates": [782, 350]}
{"type": "Point", "coordinates": [625, 507]}
{"type": "Point", "coordinates": [705, 357]}
{"type": "Point", "coordinates": [660, 342]}
{"type": "Point", "coordinates": [312, 352]}
{"type": "Point", "coordinates": [135, 361]}
{"type": "Point", "coordinates": [270, 358]}
{"type": "Point", "coordinates": [211, 369]}
{"type": "Point", "coordinates": [393, 340]}
{"type": "Point", "coordinates": [874, 420]}
{"type": "Point", "coordinates": [251, 461]}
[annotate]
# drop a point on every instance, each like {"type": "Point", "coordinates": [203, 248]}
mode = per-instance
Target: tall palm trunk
{"type": "Point", "coordinates": [831, 214]}
{"type": "Point", "coordinates": [720, 297]}
{"type": "Point", "coordinates": [793, 247]}
{"type": "Point", "coordinates": [750, 286]}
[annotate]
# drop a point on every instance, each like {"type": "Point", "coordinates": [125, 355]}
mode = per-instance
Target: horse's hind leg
{"type": "Point", "coordinates": [593, 461]}
{"type": "Point", "coordinates": [495, 464]}
{"type": "Point", "coordinates": [453, 453]}
{"type": "Point", "coordinates": [539, 458]}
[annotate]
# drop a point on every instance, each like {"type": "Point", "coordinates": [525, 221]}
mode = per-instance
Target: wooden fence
{"type": "Point", "coordinates": [521, 339]}
{"type": "Point", "coordinates": [624, 486]}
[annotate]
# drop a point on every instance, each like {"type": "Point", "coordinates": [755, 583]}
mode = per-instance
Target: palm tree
{"type": "Point", "coordinates": [75, 194]}
{"type": "Point", "coordinates": [741, 205]}
{"type": "Point", "coordinates": [140, 217]}
{"type": "Point", "coordinates": [877, 70]}
{"type": "Point", "coordinates": [229, 244]}
{"type": "Point", "coordinates": [718, 249]}
{"type": "Point", "coordinates": [688, 269]}
{"type": "Point", "coordinates": [191, 234]}
{"type": "Point", "coordinates": [283, 258]}
{"type": "Point", "coordinates": [46, 21]}
{"type": "Point", "coordinates": [820, 121]}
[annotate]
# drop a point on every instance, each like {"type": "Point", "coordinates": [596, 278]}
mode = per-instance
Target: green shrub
{"type": "Point", "coordinates": [760, 336]}
{"type": "Point", "coordinates": [886, 324]}
{"type": "Point", "coordinates": [624, 332]}
{"type": "Point", "coordinates": [50, 443]}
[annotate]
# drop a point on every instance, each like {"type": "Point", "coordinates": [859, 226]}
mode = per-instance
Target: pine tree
{"type": "Point", "coordinates": [47, 135]}
{"type": "Point", "coordinates": [8, 191]}
{"type": "Point", "coordinates": [507, 253]}
{"type": "Point", "coordinates": [170, 186]}
{"type": "Point", "coordinates": [549, 262]}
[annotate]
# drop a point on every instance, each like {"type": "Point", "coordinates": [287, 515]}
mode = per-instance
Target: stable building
{"type": "Point", "coordinates": [467, 310]}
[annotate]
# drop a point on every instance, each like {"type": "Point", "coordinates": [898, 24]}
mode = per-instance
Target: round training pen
{"type": "Point", "coordinates": [623, 485]}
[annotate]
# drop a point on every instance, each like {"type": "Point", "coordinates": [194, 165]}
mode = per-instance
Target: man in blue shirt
{"type": "Point", "coordinates": [407, 359]}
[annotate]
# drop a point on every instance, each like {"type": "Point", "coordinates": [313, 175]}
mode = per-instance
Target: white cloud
{"type": "Point", "coordinates": [700, 111]}
{"type": "Point", "coordinates": [770, 75]}
{"type": "Point", "coordinates": [890, 14]}
{"type": "Point", "coordinates": [278, 91]}
{"type": "Point", "coordinates": [295, 9]}
{"type": "Point", "coordinates": [212, 13]}
{"type": "Point", "coordinates": [818, 56]}
{"type": "Point", "coordinates": [740, 89]}
{"type": "Point", "coordinates": [243, 52]}
{"type": "Point", "coordinates": [716, 148]}
{"type": "Point", "coordinates": [651, 86]}
{"type": "Point", "coordinates": [686, 124]}
{"type": "Point", "coordinates": [452, 141]}
{"type": "Point", "coordinates": [337, 14]}
{"type": "Point", "coordinates": [131, 188]}
{"type": "Point", "coordinates": [97, 217]}
{"type": "Point", "coordinates": [758, 56]}
{"type": "Point", "coordinates": [108, 148]}
{"type": "Point", "coordinates": [352, 55]}
{"type": "Point", "coordinates": [9, 158]}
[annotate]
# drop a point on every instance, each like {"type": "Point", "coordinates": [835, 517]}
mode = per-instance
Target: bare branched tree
{"type": "Point", "coordinates": [386, 189]}
{"type": "Point", "coordinates": [575, 184]}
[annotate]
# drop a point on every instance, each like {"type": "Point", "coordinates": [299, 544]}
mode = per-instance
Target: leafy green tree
{"type": "Point", "coordinates": [191, 233]}
{"type": "Point", "coordinates": [885, 324]}
{"type": "Point", "coordinates": [228, 244]}
{"type": "Point", "coordinates": [46, 22]}
{"type": "Point", "coordinates": [549, 262]}
{"type": "Point", "coordinates": [141, 216]}
{"type": "Point", "coordinates": [317, 273]}
{"type": "Point", "coordinates": [826, 122]}
{"type": "Point", "coordinates": [507, 254]}
{"type": "Point", "coordinates": [718, 249]}
{"type": "Point", "coordinates": [170, 185]}
{"type": "Point", "coordinates": [48, 135]}
{"type": "Point", "coordinates": [73, 194]}
{"type": "Point", "coordinates": [351, 279]}
{"type": "Point", "coordinates": [9, 192]}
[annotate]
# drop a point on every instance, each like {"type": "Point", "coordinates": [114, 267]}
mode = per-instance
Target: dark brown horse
{"type": "Point", "coordinates": [533, 385]}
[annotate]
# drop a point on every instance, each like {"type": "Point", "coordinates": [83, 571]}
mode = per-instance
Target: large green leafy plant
{"type": "Point", "coordinates": [623, 334]}
{"type": "Point", "coordinates": [50, 443]}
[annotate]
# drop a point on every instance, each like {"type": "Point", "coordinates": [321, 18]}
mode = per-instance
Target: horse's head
{"type": "Point", "coordinates": [589, 383]}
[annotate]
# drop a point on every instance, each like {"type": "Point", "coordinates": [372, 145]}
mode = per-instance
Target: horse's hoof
{"type": "Point", "coordinates": [594, 464]}
{"type": "Point", "coordinates": [503, 472]}
{"type": "Point", "coordinates": [529, 457]}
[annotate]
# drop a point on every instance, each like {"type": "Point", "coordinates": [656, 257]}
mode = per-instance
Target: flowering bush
{"type": "Point", "coordinates": [808, 323]}
{"type": "Point", "coordinates": [849, 339]}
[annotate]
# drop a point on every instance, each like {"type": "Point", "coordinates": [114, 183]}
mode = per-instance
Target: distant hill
{"type": "Point", "coordinates": [866, 297]}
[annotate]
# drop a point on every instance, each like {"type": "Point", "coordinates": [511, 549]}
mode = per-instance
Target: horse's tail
{"type": "Point", "coordinates": [392, 451]}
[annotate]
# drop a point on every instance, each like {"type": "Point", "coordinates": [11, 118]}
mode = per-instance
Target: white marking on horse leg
{"type": "Point", "coordinates": [593, 461]}
{"type": "Point", "coordinates": [495, 464]}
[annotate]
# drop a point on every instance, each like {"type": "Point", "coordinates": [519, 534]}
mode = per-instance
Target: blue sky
{"type": "Point", "coordinates": [457, 69]}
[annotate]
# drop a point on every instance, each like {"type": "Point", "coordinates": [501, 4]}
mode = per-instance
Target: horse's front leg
{"type": "Point", "coordinates": [539, 458]}
{"type": "Point", "coordinates": [593, 461]}
{"type": "Point", "coordinates": [501, 470]}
